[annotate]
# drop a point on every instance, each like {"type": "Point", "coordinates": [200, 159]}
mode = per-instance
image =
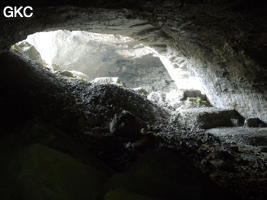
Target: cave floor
{"type": "Point", "coordinates": [69, 139]}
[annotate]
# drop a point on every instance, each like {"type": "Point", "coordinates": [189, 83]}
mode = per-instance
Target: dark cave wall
{"type": "Point", "coordinates": [249, 4]}
{"type": "Point", "coordinates": [216, 40]}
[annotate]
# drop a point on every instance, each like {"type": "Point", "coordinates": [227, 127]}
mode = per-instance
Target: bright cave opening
{"type": "Point", "coordinates": [115, 59]}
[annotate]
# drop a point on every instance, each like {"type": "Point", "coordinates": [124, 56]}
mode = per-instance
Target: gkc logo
{"type": "Point", "coordinates": [15, 11]}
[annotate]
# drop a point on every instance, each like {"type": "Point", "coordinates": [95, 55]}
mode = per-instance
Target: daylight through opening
{"type": "Point", "coordinates": [116, 59]}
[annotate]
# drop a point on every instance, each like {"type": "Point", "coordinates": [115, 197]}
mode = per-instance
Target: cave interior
{"type": "Point", "coordinates": [134, 100]}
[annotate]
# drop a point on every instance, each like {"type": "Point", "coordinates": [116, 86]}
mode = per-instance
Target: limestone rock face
{"type": "Point", "coordinates": [191, 39]}
{"type": "Point", "coordinates": [29, 50]}
{"type": "Point", "coordinates": [77, 108]}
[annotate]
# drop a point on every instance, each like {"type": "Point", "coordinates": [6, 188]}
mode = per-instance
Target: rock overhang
{"type": "Point", "coordinates": [192, 36]}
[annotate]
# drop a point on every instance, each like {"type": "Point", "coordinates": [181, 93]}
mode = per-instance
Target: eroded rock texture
{"type": "Point", "coordinates": [101, 55]}
{"type": "Point", "coordinates": [118, 126]}
{"type": "Point", "coordinates": [68, 120]}
{"type": "Point", "coordinates": [76, 105]}
{"type": "Point", "coordinates": [62, 129]}
{"type": "Point", "coordinates": [222, 43]}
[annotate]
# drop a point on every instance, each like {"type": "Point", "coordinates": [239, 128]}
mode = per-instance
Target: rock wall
{"type": "Point", "coordinates": [216, 42]}
{"type": "Point", "coordinates": [216, 52]}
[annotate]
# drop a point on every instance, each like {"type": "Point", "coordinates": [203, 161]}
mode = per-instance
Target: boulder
{"type": "Point", "coordinates": [66, 73]}
{"type": "Point", "coordinates": [108, 80]}
{"type": "Point", "coordinates": [102, 102]}
{"type": "Point", "coordinates": [157, 97]}
{"type": "Point", "coordinates": [210, 117]}
{"type": "Point", "coordinates": [254, 122]}
{"type": "Point", "coordinates": [73, 74]}
{"type": "Point", "coordinates": [193, 94]}
{"type": "Point", "coordinates": [79, 75]}
{"type": "Point", "coordinates": [29, 50]}
{"type": "Point", "coordinates": [242, 135]}
{"type": "Point", "coordinates": [141, 91]}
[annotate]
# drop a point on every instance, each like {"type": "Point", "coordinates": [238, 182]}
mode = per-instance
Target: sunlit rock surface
{"type": "Point", "coordinates": [177, 100]}
{"type": "Point", "coordinates": [102, 55]}
{"type": "Point", "coordinates": [108, 80]}
{"type": "Point", "coordinates": [29, 50]}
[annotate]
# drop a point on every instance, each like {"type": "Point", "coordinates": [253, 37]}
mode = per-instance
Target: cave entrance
{"type": "Point", "coordinates": [111, 58]}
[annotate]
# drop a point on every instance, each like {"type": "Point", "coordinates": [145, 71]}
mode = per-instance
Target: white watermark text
{"type": "Point", "coordinates": [18, 11]}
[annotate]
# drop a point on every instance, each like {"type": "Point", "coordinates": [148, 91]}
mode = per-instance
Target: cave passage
{"type": "Point", "coordinates": [116, 59]}
{"type": "Point", "coordinates": [134, 100]}
{"type": "Point", "coordinates": [102, 55]}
